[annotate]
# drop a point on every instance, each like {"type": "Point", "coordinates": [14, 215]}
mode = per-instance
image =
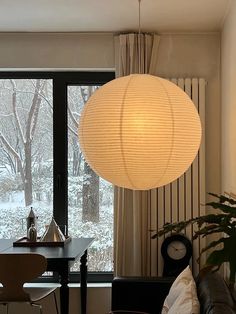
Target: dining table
{"type": "Point", "coordinates": [59, 260]}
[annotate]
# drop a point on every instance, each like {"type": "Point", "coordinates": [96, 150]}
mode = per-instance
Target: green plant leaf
{"type": "Point", "coordinates": [227, 254]}
{"type": "Point", "coordinates": [212, 219]}
{"type": "Point", "coordinates": [224, 199]}
{"type": "Point", "coordinates": [176, 227]}
{"type": "Point", "coordinates": [213, 223]}
{"type": "Point", "coordinates": [209, 246]}
{"type": "Point", "coordinates": [224, 208]}
{"type": "Point", "coordinates": [210, 229]}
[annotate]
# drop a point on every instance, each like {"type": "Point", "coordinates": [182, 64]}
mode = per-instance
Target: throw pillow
{"type": "Point", "coordinates": [182, 297]}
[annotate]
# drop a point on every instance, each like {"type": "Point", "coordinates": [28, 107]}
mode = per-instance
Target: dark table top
{"type": "Point", "coordinates": [70, 252]}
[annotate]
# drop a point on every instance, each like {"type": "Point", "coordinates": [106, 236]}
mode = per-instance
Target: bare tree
{"type": "Point", "coordinates": [25, 132]}
{"type": "Point", "coordinates": [90, 187]}
{"type": "Point", "coordinates": [90, 194]}
{"type": "Point", "coordinates": [90, 190]}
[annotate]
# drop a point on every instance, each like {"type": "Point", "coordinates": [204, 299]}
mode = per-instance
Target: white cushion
{"type": "Point", "coordinates": [182, 297]}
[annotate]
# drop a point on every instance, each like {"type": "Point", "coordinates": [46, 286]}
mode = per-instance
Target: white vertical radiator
{"type": "Point", "coordinates": [184, 198]}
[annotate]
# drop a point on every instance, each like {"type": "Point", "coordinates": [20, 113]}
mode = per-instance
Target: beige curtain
{"type": "Point", "coordinates": [127, 53]}
{"type": "Point", "coordinates": [132, 208]}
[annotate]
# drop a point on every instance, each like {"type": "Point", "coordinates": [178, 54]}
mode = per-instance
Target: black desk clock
{"type": "Point", "coordinates": [176, 251]}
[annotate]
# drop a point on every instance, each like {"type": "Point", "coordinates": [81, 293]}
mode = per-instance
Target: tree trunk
{"type": "Point", "coordinates": [76, 157]}
{"type": "Point", "coordinates": [28, 175]}
{"type": "Point", "coordinates": [90, 195]}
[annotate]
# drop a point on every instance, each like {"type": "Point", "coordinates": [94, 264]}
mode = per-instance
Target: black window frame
{"type": "Point", "coordinates": [61, 80]}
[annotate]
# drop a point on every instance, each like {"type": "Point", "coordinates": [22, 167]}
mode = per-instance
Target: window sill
{"type": "Point", "coordinates": [92, 285]}
{"type": "Point", "coordinates": [71, 285]}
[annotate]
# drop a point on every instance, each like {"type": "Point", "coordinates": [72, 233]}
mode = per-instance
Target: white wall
{"type": "Point", "coordinates": [228, 62]}
{"type": "Point", "coordinates": [55, 50]}
{"type": "Point", "coordinates": [180, 55]}
{"type": "Point", "coordinates": [198, 55]}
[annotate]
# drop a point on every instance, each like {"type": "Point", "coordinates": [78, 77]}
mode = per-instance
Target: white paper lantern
{"type": "Point", "coordinates": [139, 132]}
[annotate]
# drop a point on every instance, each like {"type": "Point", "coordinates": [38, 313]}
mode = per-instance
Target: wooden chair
{"type": "Point", "coordinates": [17, 269]}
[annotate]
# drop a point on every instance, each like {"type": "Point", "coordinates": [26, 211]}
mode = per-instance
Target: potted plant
{"type": "Point", "coordinates": [222, 223]}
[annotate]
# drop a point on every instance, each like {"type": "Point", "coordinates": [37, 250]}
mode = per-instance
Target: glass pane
{"type": "Point", "coordinates": [26, 154]}
{"type": "Point", "coordinates": [90, 198]}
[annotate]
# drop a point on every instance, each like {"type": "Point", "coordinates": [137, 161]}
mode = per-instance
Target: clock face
{"type": "Point", "coordinates": [176, 250]}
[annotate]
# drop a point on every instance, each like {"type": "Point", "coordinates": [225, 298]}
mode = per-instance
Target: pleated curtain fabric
{"type": "Point", "coordinates": [132, 209]}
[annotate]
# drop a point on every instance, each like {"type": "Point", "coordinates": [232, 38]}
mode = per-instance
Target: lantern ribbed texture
{"type": "Point", "coordinates": [139, 132]}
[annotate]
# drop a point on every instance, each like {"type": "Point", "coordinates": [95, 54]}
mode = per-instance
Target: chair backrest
{"type": "Point", "coordinates": [17, 269]}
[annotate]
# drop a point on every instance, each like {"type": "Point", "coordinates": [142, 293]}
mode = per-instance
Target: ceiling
{"type": "Point", "coordinates": [112, 15]}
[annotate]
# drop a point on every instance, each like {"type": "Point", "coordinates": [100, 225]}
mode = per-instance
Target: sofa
{"type": "Point", "coordinates": [148, 294]}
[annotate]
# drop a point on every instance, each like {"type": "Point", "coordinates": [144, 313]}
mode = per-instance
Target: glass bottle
{"type": "Point", "coordinates": [32, 233]}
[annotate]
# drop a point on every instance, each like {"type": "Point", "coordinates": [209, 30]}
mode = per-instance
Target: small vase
{"type": "Point", "coordinates": [32, 233]}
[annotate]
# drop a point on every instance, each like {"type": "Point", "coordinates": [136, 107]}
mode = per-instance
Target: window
{"type": "Point", "coordinates": [41, 164]}
{"type": "Point", "coordinates": [89, 197]}
{"type": "Point", "coordinates": [26, 153]}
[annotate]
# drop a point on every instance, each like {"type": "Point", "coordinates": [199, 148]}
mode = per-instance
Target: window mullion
{"type": "Point", "coordinates": [60, 181]}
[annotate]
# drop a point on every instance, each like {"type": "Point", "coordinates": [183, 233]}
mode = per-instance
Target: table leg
{"type": "Point", "coordinates": [64, 289]}
{"type": "Point", "coordinates": [83, 282]}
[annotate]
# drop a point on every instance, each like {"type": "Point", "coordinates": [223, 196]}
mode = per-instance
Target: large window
{"type": "Point", "coordinates": [41, 164]}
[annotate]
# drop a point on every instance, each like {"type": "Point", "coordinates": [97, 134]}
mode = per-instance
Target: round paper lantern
{"type": "Point", "coordinates": [139, 132]}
